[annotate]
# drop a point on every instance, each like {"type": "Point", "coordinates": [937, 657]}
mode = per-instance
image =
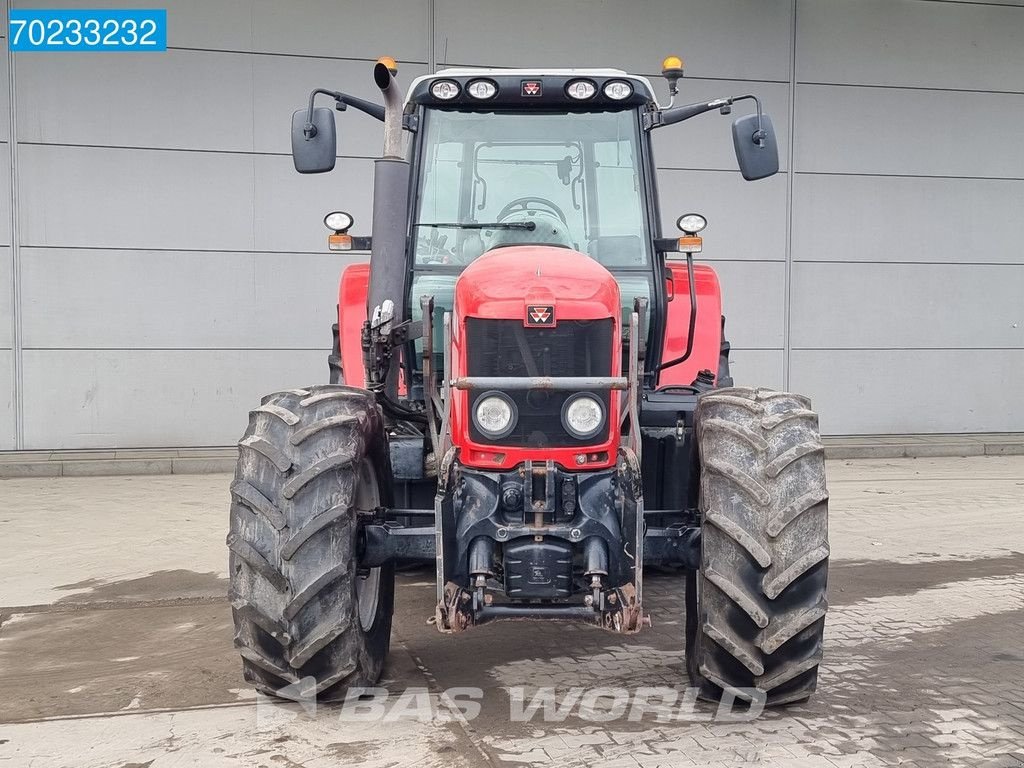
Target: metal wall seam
{"type": "Point", "coordinates": [16, 340]}
{"type": "Point", "coordinates": [790, 176]}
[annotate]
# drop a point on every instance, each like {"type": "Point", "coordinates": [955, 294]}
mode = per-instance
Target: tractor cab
{"type": "Point", "coordinates": [506, 158]}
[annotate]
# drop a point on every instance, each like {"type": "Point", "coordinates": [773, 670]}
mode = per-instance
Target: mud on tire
{"type": "Point", "coordinates": [756, 608]}
{"type": "Point", "coordinates": [307, 621]}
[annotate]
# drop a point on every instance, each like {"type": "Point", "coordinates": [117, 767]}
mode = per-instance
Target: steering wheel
{"type": "Point", "coordinates": [523, 204]}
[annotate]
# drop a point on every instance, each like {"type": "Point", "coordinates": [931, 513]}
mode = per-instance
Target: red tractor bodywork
{"type": "Point", "coordinates": [707, 343]}
{"type": "Point", "coordinates": [352, 291]}
{"type": "Point", "coordinates": [502, 285]}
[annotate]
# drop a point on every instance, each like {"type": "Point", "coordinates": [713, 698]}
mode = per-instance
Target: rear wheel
{"type": "Point", "coordinates": [756, 608]}
{"type": "Point", "coordinates": [308, 620]}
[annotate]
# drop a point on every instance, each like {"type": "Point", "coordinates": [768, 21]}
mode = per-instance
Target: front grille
{"type": "Point", "coordinates": [508, 348]}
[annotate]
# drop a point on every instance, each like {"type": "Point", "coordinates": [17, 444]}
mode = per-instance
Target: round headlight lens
{"type": "Point", "coordinates": [494, 414]}
{"type": "Point", "coordinates": [580, 89]}
{"type": "Point", "coordinates": [482, 89]}
{"type": "Point", "coordinates": [445, 89]}
{"type": "Point", "coordinates": [618, 90]}
{"type": "Point", "coordinates": [339, 221]}
{"type": "Point", "coordinates": [583, 415]}
{"type": "Point", "coordinates": [691, 223]}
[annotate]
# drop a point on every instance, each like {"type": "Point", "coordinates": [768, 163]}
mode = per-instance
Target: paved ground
{"type": "Point", "coordinates": [115, 645]}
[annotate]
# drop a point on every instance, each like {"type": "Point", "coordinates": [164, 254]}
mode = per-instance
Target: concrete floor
{"type": "Point", "coordinates": [115, 643]}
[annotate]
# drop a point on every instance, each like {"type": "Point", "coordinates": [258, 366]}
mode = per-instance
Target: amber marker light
{"type": "Point", "coordinates": [672, 65]}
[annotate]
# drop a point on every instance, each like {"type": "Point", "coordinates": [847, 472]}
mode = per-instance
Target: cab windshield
{"type": "Point", "coordinates": [494, 179]}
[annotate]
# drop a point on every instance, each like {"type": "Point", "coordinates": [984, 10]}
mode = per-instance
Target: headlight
{"type": "Point", "coordinates": [494, 414]}
{"type": "Point", "coordinates": [482, 89]}
{"type": "Point", "coordinates": [339, 221]}
{"type": "Point", "coordinates": [583, 416]}
{"type": "Point", "coordinates": [445, 89]}
{"type": "Point", "coordinates": [618, 90]}
{"type": "Point", "coordinates": [691, 223]}
{"type": "Point", "coordinates": [580, 89]}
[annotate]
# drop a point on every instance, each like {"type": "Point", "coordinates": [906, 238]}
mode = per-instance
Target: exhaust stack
{"type": "Point", "coordinates": [390, 209]}
{"type": "Point", "coordinates": [384, 72]}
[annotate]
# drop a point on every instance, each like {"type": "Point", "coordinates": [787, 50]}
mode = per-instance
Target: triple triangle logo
{"type": "Point", "coordinates": [540, 314]}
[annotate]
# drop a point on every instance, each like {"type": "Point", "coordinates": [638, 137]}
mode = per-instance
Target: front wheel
{"type": "Point", "coordinates": [756, 607]}
{"type": "Point", "coordinates": [309, 621]}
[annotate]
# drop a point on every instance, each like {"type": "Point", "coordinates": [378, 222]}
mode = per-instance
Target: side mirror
{"type": "Point", "coordinates": [314, 144]}
{"type": "Point", "coordinates": [758, 159]}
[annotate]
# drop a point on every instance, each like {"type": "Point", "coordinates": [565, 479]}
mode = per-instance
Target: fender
{"type": "Point", "coordinates": [707, 341]}
{"type": "Point", "coordinates": [353, 289]}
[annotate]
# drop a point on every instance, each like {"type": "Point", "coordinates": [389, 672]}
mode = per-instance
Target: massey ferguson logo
{"type": "Point", "coordinates": [531, 88]}
{"type": "Point", "coordinates": [540, 314]}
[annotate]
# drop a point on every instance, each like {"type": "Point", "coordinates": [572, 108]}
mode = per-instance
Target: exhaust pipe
{"type": "Point", "coordinates": [390, 210]}
{"type": "Point", "coordinates": [384, 72]}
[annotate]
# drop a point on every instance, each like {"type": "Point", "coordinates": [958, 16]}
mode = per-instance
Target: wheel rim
{"type": "Point", "coordinates": [367, 586]}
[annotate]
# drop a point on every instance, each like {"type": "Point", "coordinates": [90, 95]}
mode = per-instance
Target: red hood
{"type": "Point", "coordinates": [502, 282]}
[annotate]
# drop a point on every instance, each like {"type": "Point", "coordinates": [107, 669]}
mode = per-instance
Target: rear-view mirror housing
{"type": "Point", "coordinates": [315, 143]}
{"type": "Point", "coordinates": [756, 160]}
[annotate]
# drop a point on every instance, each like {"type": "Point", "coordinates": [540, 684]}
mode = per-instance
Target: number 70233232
{"type": "Point", "coordinates": [87, 30]}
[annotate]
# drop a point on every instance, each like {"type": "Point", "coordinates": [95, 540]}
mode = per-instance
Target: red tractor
{"type": "Point", "coordinates": [530, 389]}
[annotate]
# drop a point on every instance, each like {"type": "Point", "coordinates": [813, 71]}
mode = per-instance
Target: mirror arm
{"type": "Point", "coordinates": [759, 135]}
{"type": "Point", "coordinates": [673, 115]}
{"type": "Point", "coordinates": [343, 100]}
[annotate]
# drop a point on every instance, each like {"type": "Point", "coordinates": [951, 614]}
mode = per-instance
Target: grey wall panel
{"type": "Point", "coordinates": [194, 100]}
{"type": "Point", "coordinates": [179, 299]}
{"type": "Point", "coordinates": [753, 302]}
{"type": "Point", "coordinates": [756, 367]}
{"type": "Point", "coordinates": [6, 401]}
{"type": "Point", "coordinates": [225, 25]}
{"type": "Point", "coordinates": [907, 305]}
{"type": "Point", "coordinates": [127, 198]}
{"type": "Point", "coordinates": [290, 207]}
{"type": "Point", "coordinates": [347, 29]}
{"type": "Point", "coordinates": [843, 129]}
{"type": "Point", "coordinates": [5, 90]}
{"type": "Point", "coordinates": [5, 194]}
{"type": "Point", "coordinates": [909, 43]}
{"type": "Point", "coordinates": [746, 219]}
{"type": "Point", "coordinates": [634, 37]}
{"type": "Point", "coordinates": [140, 398]}
{"type": "Point", "coordinates": [899, 218]}
{"type": "Point", "coordinates": [705, 141]}
{"type": "Point", "coordinates": [901, 391]}
{"type": "Point", "coordinates": [6, 312]}
{"type": "Point", "coordinates": [981, 2]}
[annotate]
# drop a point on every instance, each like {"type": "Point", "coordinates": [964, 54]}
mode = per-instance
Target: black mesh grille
{"type": "Point", "coordinates": [508, 348]}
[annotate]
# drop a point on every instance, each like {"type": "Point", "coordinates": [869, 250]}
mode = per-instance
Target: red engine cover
{"type": "Point", "coordinates": [509, 283]}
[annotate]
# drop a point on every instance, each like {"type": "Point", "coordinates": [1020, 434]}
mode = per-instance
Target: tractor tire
{"type": "Point", "coordinates": [756, 607]}
{"type": "Point", "coordinates": [308, 621]}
